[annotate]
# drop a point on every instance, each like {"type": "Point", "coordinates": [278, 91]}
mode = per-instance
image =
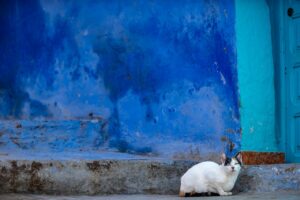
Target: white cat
{"type": "Point", "coordinates": [207, 177]}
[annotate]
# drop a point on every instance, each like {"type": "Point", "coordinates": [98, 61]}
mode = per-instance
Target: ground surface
{"type": "Point", "coordinates": [292, 195]}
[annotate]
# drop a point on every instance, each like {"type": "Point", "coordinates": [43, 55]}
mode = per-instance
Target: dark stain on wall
{"type": "Point", "coordinates": [35, 183]}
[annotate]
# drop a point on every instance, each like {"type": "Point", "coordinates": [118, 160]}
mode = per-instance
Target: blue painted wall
{"type": "Point", "coordinates": [152, 78]}
{"type": "Point", "coordinates": [256, 76]}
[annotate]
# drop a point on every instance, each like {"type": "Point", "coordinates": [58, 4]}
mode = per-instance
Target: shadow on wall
{"type": "Point", "coordinates": [159, 77]}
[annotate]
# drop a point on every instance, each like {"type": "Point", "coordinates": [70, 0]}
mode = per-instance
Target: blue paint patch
{"type": "Point", "coordinates": [28, 52]}
{"type": "Point", "coordinates": [159, 75]}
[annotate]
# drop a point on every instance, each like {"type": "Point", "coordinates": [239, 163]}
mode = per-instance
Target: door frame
{"type": "Point", "coordinates": [279, 22]}
{"type": "Point", "coordinates": [277, 12]}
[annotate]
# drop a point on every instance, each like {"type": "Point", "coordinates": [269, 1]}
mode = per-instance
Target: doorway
{"type": "Point", "coordinates": [285, 20]}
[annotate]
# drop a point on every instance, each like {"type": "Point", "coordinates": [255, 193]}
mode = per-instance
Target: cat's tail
{"type": "Point", "coordinates": [181, 193]}
{"type": "Point", "coordinates": [182, 190]}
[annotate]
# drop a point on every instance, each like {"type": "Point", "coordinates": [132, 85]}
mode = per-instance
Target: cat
{"type": "Point", "coordinates": [210, 177]}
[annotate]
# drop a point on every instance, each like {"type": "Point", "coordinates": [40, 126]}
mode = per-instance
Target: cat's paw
{"type": "Point", "coordinates": [225, 193]}
{"type": "Point", "coordinates": [229, 193]}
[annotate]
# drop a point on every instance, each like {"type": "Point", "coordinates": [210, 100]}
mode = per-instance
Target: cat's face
{"type": "Point", "coordinates": [232, 165]}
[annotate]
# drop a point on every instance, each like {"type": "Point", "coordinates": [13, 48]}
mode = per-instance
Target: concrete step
{"type": "Point", "coordinates": [72, 177]}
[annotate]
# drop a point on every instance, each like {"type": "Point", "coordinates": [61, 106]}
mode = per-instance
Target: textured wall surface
{"type": "Point", "coordinates": [154, 78]}
{"type": "Point", "coordinates": [256, 75]}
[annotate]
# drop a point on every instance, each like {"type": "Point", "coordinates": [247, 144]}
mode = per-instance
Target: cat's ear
{"type": "Point", "coordinates": [239, 156]}
{"type": "Point", "coordinates": [223, 158]}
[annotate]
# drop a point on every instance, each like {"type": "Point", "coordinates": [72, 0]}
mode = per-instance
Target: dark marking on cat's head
{"type": "Point", "coordinates": [227, 161]}
{"type": "Point", "coordinates": [238, 158]}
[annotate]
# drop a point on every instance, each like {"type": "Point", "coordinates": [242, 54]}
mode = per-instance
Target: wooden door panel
{"type": "Point", "coordinates": [293, 80]}
{"type": "Point", "coordinates": [296, 84]}
{"type": "Point", "coordinates": [296, 134]}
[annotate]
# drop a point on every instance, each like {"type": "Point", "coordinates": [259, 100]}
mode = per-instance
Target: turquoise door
{"type": "Point", "coordinates": [292, 64]}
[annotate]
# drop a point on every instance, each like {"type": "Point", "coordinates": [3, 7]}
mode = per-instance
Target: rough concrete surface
{"type": "Point", "coordinates": [241, 196]}
{"type": "Point", "coordinates": [267, 178]}
{"type": "Point", "coordinates": [88, 177]}
{"type": "Point", "coordinates": [92, 177]}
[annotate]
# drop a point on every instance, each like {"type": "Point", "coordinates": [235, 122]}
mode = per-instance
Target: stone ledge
{"type": "Point", "coordinates": [128, 177]}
